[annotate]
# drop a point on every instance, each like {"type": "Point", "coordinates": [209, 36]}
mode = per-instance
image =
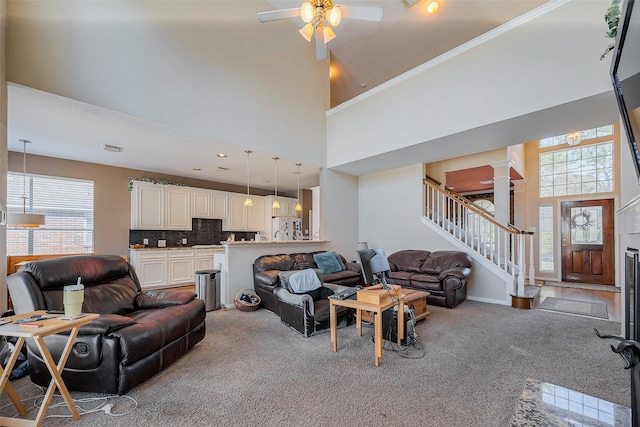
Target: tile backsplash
{"type": "Point", "coordinates": [203, 232]}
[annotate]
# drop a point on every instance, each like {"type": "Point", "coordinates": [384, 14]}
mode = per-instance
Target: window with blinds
{"type": "Point", "coordinates": [68, 208]}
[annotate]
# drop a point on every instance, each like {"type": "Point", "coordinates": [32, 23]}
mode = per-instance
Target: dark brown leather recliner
{"type": "Point", "coordinates": [138, 333]}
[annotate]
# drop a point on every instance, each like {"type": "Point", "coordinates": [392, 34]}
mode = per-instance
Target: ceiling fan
{"type": "Point", "coordinates": [320, 17]}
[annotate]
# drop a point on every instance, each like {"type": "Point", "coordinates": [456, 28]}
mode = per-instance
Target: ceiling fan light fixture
{"type": "Point", "coordinates": [307, 32]}
{"type": "Point", "coordinates": [328, 34]}
{"type": "Point", "coordinates": [307, 12]}
{"type": "Point", "coordinates": [335, 16]}
{"type": "Point", "coordinates": [432, 7]}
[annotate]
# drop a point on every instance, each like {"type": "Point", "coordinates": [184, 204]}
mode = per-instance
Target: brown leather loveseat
{"type": "Point", "coordinates": [443, 274]}
{"type": "Point", "coordinates": [138, 334]}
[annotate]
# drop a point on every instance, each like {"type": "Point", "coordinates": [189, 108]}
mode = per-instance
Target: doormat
{"type": "Point", "coordinates": [576, 285]}
{"type": "Point", "coordinates": [583, 308]}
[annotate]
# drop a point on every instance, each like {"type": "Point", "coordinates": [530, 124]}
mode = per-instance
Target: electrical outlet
{"type": "Point", "coordinates": [162, 243]}
{"type": "Point", "coordinates": [145, 241]}
{"type": "Point", "coordinates": [184, 241]}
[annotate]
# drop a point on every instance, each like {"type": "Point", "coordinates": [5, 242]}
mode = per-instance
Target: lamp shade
{"type": "Point", "coordinates": [24, 220]}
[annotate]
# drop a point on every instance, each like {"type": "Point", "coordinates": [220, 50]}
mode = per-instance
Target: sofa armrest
{"type": "Point", "coordinates": [162, 298]}
{"type": "Point", "coordinates": [352, 266]}
{"type": "Point", "coordinates": [459, 272]}
{"type": "Point", "coordinates": [335, 287]}
{"type": "Point", "coordinates": [266, 279]}
{"type": "Point", "coordinates": [301, 300]}
{"type": "Point", "coordinates": [105, 324]}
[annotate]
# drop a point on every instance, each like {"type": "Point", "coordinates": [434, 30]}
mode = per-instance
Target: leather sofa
{"type": "Point", "coordinates": [138, 334]}
{"type": "Point", "coordinates": [443, 274]}
{"type": "Point", "coordinates": [267, 267]}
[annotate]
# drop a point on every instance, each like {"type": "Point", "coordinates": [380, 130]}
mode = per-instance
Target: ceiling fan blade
{"type": "Point", "coordinates": [274, 15]}
{"type": "Point", "coordinates": [321, 47]}
{"type": "Point", "coordinates": [367, 13]}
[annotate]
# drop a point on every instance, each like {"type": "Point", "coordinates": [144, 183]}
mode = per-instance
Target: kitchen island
{"type": "Point", "coordinates": [237, 262]}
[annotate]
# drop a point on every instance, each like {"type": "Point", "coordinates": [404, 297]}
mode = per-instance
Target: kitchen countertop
{"type": "Point", "coordinates": [273, 242]}
{"type": "Point", "coordinates": [178, 248]}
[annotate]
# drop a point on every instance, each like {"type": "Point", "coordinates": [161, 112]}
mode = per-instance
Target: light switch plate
{"type": "Point", "coordinates": [184, 241]}
{"type": "Point", "coordinates": [162, 243]}
{"type": "Point", "coordinates": [145, 241]}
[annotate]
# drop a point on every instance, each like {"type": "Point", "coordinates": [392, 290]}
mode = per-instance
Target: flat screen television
{"type": "Point", "coordinates": [625, 74]}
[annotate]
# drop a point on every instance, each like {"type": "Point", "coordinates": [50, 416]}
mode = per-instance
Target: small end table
{"type": "Point", "coordinates": [22, 332]}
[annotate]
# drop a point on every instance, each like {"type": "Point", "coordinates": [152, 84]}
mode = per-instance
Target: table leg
{"type": "Point", "coordinates": [377, 322]}
{"type": "Point", "coordinates": [359, 321]}
{"type": "Point", "coordinates": [400, 321]}
{"type": "Point", "coordinates": [56, 379]}
{"type": "Point", "coordinates": [4, 378]}
{"type": "Point", "coordinates": [334, 325]}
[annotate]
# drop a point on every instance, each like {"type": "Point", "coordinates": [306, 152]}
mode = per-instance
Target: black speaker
{"type": "Point", "coordinates": [390, 325]}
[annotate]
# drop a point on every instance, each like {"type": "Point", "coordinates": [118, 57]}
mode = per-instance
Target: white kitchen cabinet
{"type": "Point", "coordinates": [245, 218]}
{"type": "Point", "coordinates": [160, 207]}
{"type": "Point", "coordinates": [204, 260]}
{"type": "Point", "coordinates": [287, 206]}
{"type": "Point", "coordinates": [181, 267]}
{"type": "Point", "coordinates": [147, 206]}
{"type": "Point", "coordinates": [255, 215]}
{"type": "Point", "coordinates": [219, 204]}
{"type": "Point", "coordinates": [178, 208]}
{"type": "Point", "coordinates": [200, 203]}
{"type": "Point", "coordinates": [209, 204]}
{"type": "Point", "coordinates": [151, 266]}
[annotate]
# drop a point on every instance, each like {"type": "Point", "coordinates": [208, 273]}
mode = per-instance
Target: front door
{"type": "Point", "coordinates": [588, 242]}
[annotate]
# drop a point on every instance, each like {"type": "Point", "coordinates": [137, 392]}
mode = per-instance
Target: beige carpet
{"type": "Point", "coordinates": [576, 285]}
{"type": "Point", "coordinates": [252, 370]}
{"type": "Point", "coordinates": [583, 308]}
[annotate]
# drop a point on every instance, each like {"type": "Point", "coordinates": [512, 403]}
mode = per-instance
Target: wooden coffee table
{"type": "Point", "coordinates": [414, 299]}
{"type": "Point", "coordinates": [417, 301]}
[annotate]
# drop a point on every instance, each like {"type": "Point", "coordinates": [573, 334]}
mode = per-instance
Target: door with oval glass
{"type": "Point", "coordinates": [588, 241]}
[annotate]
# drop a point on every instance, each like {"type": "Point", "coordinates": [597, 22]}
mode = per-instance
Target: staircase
{"type": "Point", "coordinates": [500, 248]}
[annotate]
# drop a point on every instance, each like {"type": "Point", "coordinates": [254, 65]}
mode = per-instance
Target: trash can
{"type": "Point", "coordinates": [208, 288]}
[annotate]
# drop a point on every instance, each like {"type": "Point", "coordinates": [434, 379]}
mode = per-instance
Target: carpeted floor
{"type": "Point", "coordinates": [253, 370]}
{"type": "Point", "coordinates": [583, 308]}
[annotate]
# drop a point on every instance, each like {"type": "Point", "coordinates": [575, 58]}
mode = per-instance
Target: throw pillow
{"type": "Point", "coordinates": [284, 279]}
{"type": "Point", "coordinates": [327, 262]}
{"type": "Point", "coordinates": [304, 281]}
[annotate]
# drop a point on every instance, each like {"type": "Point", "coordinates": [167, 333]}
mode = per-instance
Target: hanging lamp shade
{"type": "Point", "coordinates": [248, 201]}
{"type": "Point", "coordinates": [298, 207]}
{"type": "Point", "coordinates": [24, 219]}
{"type": "Point", "coordinates": [276, 203]}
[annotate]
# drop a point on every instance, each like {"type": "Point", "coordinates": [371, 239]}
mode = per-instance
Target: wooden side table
{"type": "Point", "coordinates": [49, 327]}
{"type": "Point", "coordinates": [360, 307]}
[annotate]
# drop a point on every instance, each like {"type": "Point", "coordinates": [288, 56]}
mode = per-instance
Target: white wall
{"type": "Point", "coordinates": [545, 62]}
{"type": "Point", "coordinates": [391, 207]}
{"type": "Point", "coordinates": [198, 67]}
{"type": "Point", "coordinates": [339, 211]}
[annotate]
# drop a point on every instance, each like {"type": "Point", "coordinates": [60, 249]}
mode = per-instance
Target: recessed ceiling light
{"type": "Point", "coordinates": [113, 148]}
{"type": "Point", "coordinates": [432, 7]}
{"type": "Point", "coordinates": [221, 169]}
{"type": "Point", "coordinates": [363, 85]}
{"type": "Point", "coordinates": [197, 169]}
{"type": "Point", "coordinates": [222, 155]}
{"type": "Point", "coordinates": [265, 181]}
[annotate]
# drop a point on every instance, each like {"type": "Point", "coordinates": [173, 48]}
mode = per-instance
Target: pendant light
{"type": "Point", "coordinates": [298, 207]}
{"type": "Point", "coordinates": [276, 203]}
{"type": "Point", "coordinates": [248, 201]}
{"type": "Point", "coordinates": [24, 220]}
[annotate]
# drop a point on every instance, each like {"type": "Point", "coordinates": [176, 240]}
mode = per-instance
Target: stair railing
{"type": "Point", "coordinates": [502, 245]}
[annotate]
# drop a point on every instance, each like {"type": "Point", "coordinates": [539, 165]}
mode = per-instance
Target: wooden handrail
{"type": "Point", "coordinates": [477, 209]}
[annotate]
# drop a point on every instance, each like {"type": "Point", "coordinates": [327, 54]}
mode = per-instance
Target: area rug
{"type": "Point", "coordinates": [583, 308]}
{"type": "Point", "coordinates": [588, 286]}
